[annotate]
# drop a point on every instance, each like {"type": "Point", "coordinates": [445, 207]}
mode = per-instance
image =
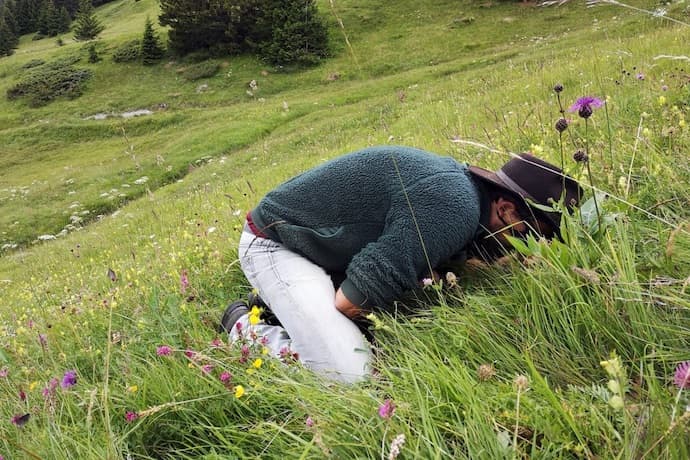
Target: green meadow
{"type": "Point", "coordinates": [118, 237]}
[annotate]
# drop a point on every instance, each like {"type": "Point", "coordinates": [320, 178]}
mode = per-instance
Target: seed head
{"type": "Point", "coordinates": [580, 156]}
{"type": "Point", "coordinates": [558, 88]}
{"type": "Point", "coordinates": [561, 125]}
{"type": "Point", "coordinates": [521, 382]}
{"type": "Point", "coordinates": [486, 372]}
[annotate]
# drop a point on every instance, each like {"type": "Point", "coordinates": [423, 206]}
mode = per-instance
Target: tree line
{"type": "Point", "coordinates": [45, 18]}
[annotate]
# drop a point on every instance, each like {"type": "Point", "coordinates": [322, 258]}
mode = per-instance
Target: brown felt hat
{"type": "Point", "coordinates": [535, 181]}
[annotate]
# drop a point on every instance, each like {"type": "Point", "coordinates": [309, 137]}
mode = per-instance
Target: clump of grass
{"type": "Point", "coordinates": [201, 70]}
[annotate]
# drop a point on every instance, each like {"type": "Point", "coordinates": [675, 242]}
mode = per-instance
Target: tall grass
{"type": "Point", "coordinates": [103, 299]}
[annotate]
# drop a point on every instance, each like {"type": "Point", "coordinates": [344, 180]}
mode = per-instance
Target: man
{"type": "Point", "coordinates": [349, 236]}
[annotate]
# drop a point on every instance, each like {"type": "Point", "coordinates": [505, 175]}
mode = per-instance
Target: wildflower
{"type": "Point", "coordinates": [164, 350]}
{"type": "Point", "coordinates": [43, 339]}
{"type": "Point", "coordinates": [682, 376]}
{"type": "Point", "coordinates": [616, 402]}
{"type": "Point", "coordinates": [257, 363]}
{"type": "Point", "coordinates": [640, 76]}
{"type": "Point", "coordinates": [207, 368]}
{"type": "Point", "coordinates": [132, 389]}
{"type": "Point", "coordinates": [387, 409]}
{"type": "Point", "coordinates": [131, 416]}
{"type": "Point", "coordinates": [662, 100]}
{"type": "Point", "coordinates": [50, 389]}
{"type": "Point", "coordinates": [225, 376]}
{"type": "Point", "coordinates": [561, 125]}
{"type": "Point", "coordinates": [664, 87]}
{"type": "Point", "coordinates": [22, 395]}
{"type": "Point", "coordinates": [451, 279]}
{"type": "Point", "coordinates": [190, 354]}
{"type": "Point", "coordinates": [580, 156]}
{"type": "Point", "coordinates": [558, 88]}
{"type": "Point", "coordinates": [521, 382]}
{"type": "Point", "coordinates": [239, 391]}
{"type": "Point", "coordinates": [184, 281]}
{"type": "Point", "coordinates": [585, 105]}
{"type": "Point", "coordinates": [216, 343]}
{"type": "Point", "coordinates": [254, 315]}
{"type": "Point", "coordinates": [486, 371]}
{"type": "Point", "coordinates": [427, 282]}
{"type": "Point", "coordinates": [396, 445]}
{"type": "Point", "coordinates": [20, 420]}
{"type": "Point", "coordinates": [69, 379]}
{"type": "Point", "coordinates": [309, 422]}
{"type": "Point", "coordinates": [4, 372]}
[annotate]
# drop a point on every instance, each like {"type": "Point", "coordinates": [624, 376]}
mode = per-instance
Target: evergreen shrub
{"type": "Point", "coordinates": [128, 52]}
{"type": "Point", "coordinates": [47, 82]}
{"type": "Point", "coordinates": [201, 70]}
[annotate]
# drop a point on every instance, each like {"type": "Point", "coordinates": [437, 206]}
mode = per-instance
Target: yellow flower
{"type": "Point", "coordinates": [254, 315]}
{"type": "Point", "coordinates": [264, 350]}
{"type": "Point", "coordinates": [662, 100]}
{"type": "Point", "coordinates": [681, 123]}
{"type": "Point", "coordinates": [133, 389]}
{"type": "Point", "coordinates": [239, 391]}
{"type": "Point", "coordinates": [33, 385]}
{"type": "Point", "coordinates": [257, 363]}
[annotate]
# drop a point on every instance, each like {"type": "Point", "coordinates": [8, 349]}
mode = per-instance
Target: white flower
{"type": "Point", "coordinates": [46, 237]}
{"type": "Point", "coordinates": [396, 445]}
{"type": "Point", "coordinates": [141, 180]}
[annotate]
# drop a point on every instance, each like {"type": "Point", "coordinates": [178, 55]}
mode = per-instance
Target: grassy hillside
{"type": "Point", "coordinates": [442, 75]}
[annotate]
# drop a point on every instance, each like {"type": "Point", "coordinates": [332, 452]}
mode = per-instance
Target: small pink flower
{"type": "Point", "coordinates": [263, 340]}
{"type": "Point", "coordinates": [640, 76]}
{"type": "Point", "coordinates": [427, 282]}
{"type": "Point", "coordinates": [190, 354]}
{"type": "Point", "coordinates": [184, 281]}
{"type": "Point", "coordinates": [207, 368]}
{"type": "Point", "coordinates": [216, 343]}
{"type": "Point", "coordinates": [4, 372]}
{"type": "Point", "coordinates": [43, 339]}
{"type": "Point", "coordinates": [22, 395]}
{"type": "Point", "coordinates": [309, 422]}
{"type": "Point", "coordinates": [164, 350]}
{"type": "Point", "coordinates": [131, 416]}
{"type": "Point", "coordinates": [387, 409]}
{"type": "Point", "coordinates": [225, 376]}
{"type": "Point", "coordinates": [682, 376]}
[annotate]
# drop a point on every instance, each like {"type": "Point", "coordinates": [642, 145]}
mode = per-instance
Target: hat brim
{"type": "Point", "coordinates": [492, 178]}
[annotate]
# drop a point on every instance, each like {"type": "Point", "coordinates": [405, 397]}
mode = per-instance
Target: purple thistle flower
{"type": "Point", "coordinates": [207, 368]}
{"type": "Point", "coordinates": [386, 409]}
{"type": "Point", "coordinates": [131, 416]}
{"type": "Point", "coordinates": [585, 105]}
{"type": "Point", "coordinates": [225, 376]}
{"type": "Point", "coordinates": [164, 350]}
{"type": "Point", "coordinates": [69, 379]}
{"type": "Point", "coordinates": [20, 420]}
{"type": "Point", "coordinates": [682, 376]}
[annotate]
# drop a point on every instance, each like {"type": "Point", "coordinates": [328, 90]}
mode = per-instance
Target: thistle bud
{"type": "Point", "coordinates": [585, 111]}
{"type": "Point", "coordinates": [580, 156]}
{"type": "Point", "coordinates": [561, 125]}
{"type": "Point", "coordinates": [558, 88]}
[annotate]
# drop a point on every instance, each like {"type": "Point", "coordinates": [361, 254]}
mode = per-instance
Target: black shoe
{"type": "Point", "coordinates": [232, 315]}
{"type": "Point", "coordinates": [267, 316]}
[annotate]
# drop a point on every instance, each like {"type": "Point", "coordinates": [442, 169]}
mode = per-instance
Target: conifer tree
{"type": "Point", "coordinates": [151, 50]}
{"type": "Point", "coordinates": [87, 26]}
{"type": "Point", "coordinates": [8, 40]}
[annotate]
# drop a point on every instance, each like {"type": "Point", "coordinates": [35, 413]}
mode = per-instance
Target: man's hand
{"type": "Point", "coordinates": [346, 307]}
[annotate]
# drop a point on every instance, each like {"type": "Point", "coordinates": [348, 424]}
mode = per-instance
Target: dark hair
{"type": "Point", "coordinates": [535, 224]}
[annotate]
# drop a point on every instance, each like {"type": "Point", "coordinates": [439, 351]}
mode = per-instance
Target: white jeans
{"type": "Point", "coordinates": [301, 295]}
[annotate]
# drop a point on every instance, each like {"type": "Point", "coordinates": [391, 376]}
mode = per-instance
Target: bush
{"type": "Point", "coordinates": [33, 63]}
{"type": "Point", "coordinates": [44, 84]}
{"type": "Point", "coordinates": [201, 70]}
{"type": "Point", "coordinates": [128, 52]}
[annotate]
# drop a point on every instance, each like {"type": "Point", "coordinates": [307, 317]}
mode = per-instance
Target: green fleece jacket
{"type": "Point", "coordinates": [382, 215]}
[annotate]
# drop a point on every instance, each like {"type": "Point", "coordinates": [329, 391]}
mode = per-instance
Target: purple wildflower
{"type": "Point", "coordinates": [682, 376]}
{"type": "Point", "coordinates": [20, 420]}
{"type": "Point", "coordinates": [50, 389]}
{"type": "Point", "coordinates": [640, 76]}
{"type": "Point", "coordinates": [309, 422]}
{"type": "Point", "coordinates": [69, 379]}
{"type": "Point", "coordinates": [43, 339]}
{"type": "Point", "coordinates": [207, 368]}
{"type": "Point", "coordinates": [190, 354]}
{"type": "Point", "coordinates": [386, 409]}
{"type": "Point", "coordinates": [131, 416]}
{"type": "Point", "coordinates": [585, 105]}
{"type": "Point", "coordinates": [164, 350]}
{"type": "Point", "coordinates": [184, 281]}
{"type": "Point", "coordinates": [225, 376]}
{"type": "Point", "coordinates": [22, 395]}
